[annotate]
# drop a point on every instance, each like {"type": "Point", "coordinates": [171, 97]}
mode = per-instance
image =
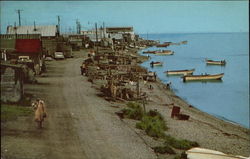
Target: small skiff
{"type": "Point", "coordinates": [156, 64]}
{"type": "Point", "coordinates": [180, 72]}
{"type": "Point", "coordinates": [148, 52]}
{"type": "Point", "coordinates": [164, 52]}
{"type": "Point", "coordinates": [202, 153]}
{"type": "Point", "coordinates": [205, 77]}
{"type": "Point", "coordinates": [211, 62]}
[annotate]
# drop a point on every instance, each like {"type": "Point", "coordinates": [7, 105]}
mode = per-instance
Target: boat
{"type": "Point", "coordinates": [163, 45]}
{"type": "Point", "coordinates": [164, 52]}
{"type": "Point", "coordinates": [180, 72]}
{"type": "Point", "coordinates": [212, 62]}
{"type": "Point", "coordinates": [156, 64]}
{"type": "Point", "coordinates": [202, 153]}
{"type": "Point", "coordinates": [148, 52]}
{"type": "Point", "coordinates": [205, 77]}
{"type": "Point", "coordinates": [183, 42]}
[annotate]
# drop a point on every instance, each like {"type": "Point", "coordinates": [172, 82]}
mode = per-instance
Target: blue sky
{"type": "Point", "coordinates": [144, 16]}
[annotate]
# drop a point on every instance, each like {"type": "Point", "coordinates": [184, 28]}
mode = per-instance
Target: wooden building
{"type": "Point", "coordinates": [12, 78]}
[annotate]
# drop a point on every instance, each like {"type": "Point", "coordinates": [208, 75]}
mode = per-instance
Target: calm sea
{"type": "Point", "coordinates": [227, 99]}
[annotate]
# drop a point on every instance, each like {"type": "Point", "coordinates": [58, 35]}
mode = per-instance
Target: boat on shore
{"type": "Point", "coordinates": [164, 52]}
{"type": "Point", "coordinates": [180, 72]}
{"type": "Point", "coordinates": [152, 64]}
{"type": "Point", "coordinates": [148, 52]}
{"type": "Point", "coordinates": [212, 62]}
{"type": "Point", "coordinates": [201, 77]}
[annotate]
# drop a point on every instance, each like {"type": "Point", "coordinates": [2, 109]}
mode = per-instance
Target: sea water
{"type": "Point", "coordinates": [227, 99]}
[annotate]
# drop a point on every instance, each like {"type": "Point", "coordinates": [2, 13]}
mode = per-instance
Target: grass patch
{"type": "Point", "coordinates": [164, 149]}
{"type": "Point", "coordinates": [134, 111]}
{"type": "Point", "coordinates": [180, 144]}
{"type": "Point", "coordinates": [153, 124]}
{"type": "Point", "coordinates": [11, 112]}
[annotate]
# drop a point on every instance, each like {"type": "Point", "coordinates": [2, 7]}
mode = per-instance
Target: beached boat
{"type": "Point", "coordinates": [205, 77]}
{"type": "Point", "coordinates": [148, 52]}
{"type": "Point", "coordinates": [202, 153]}
{"type": "Point", "coordinates": [152, 64]}
{"type": "Point", "coordinates": [180, 72]}
{"type": "Point", "coordinates": [211, 62]}
{"type": "Point", "coordinates": [164, 52]}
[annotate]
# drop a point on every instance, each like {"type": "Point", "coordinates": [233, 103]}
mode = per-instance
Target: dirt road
{"type": "Point", "coordinates": [80, 125]}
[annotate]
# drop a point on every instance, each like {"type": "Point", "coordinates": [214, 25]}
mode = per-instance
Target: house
{"type": "Point", "coordinates": [49, 35]}
{"type": "Point", "coordinates": [23, 48]}
{"type": "Point", "coordinates": [118, 33]}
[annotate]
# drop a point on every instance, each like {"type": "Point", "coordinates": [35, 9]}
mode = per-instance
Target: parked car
{"type": "Point", "coordinates": [59, 55]}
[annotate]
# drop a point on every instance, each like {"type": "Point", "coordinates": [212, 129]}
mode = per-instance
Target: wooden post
{"type": "Point", "coordinates": [144, 107]}
{"type": "Point", "coordinates": [96, 37]}
{"type": "Point", "coordinates": [138, 87]}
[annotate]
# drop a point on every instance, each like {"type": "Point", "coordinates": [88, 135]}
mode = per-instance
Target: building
{"type": "Point", "coordinates": [17, 46]}
{"type": "Point", "coordinates": [49, 35]}
{"type": "Point", "coordinates": [50, 31]}
{"type": "Point", "coordinates": [119, 33]}
{"type": "Point", "coordinates": [12, 78]}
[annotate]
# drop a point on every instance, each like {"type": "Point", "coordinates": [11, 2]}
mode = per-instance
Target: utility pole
{"type": "Point", "coordinates": [96, 37]}
{"type": "Point", "coordinates": [58, 23]}
{"type": "Point", "coordinates": [103, 30]}
{"type": "Point", "coordinates": [19, 16]}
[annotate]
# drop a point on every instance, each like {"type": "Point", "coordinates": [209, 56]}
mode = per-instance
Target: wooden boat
{"type": "Point", "coordinates": [211, 62]}
{"type": "Point", "coordinates": [184, 42]}
{"type": "Point", "coordinates": [163, 45]}
{"type": "Point", "coordinates": [156, 64]}
{"type": "Point", "coordinates": [148, 52]}
{"type": "Point", "coordinates": [205, 77]}
{"type": "Point", "coordinates": [180, 72]}
{"type": "Point", "coordinates": [202, 153]}
{"type": "Point", "coordinates": [164, 52]}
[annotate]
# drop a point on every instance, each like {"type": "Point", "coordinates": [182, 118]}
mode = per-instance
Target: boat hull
{"type": "Point", "coordinates": [164, 53]}
{"type": "Point", "coordinates": [202, 77]}
{"type": "Point", "coordinates": [156, 64]}
{"type": "Point", "coordinates": [210, 62]}
{"type": "Point", "coordinates": [180, 72]}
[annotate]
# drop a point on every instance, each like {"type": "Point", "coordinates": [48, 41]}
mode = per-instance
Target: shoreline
{"type": "Point", "coordinates": [222, 133]}
{"type": "Point", "coordinates": [174, 93]}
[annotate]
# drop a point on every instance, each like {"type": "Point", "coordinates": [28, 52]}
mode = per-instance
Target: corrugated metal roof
{"type": "Point", "coordinates": [49, 30]}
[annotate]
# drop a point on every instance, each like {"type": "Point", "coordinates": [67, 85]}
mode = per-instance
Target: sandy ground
{"type": "Point", "coordinates": [82, 125]}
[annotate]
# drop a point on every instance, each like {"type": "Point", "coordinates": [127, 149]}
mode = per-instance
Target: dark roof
{"type": "Point", "coordinates": [119, 29]}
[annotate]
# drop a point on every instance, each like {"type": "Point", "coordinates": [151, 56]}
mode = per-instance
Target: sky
{"type": "Point", "coordinates": [144, 16]}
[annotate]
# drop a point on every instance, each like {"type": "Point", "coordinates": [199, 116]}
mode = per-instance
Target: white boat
{"type": "Point", "coordinates": [201, 153]}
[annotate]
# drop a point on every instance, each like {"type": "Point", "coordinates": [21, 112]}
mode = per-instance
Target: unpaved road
{"type": "Point", "coordinates": [80, 125]}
